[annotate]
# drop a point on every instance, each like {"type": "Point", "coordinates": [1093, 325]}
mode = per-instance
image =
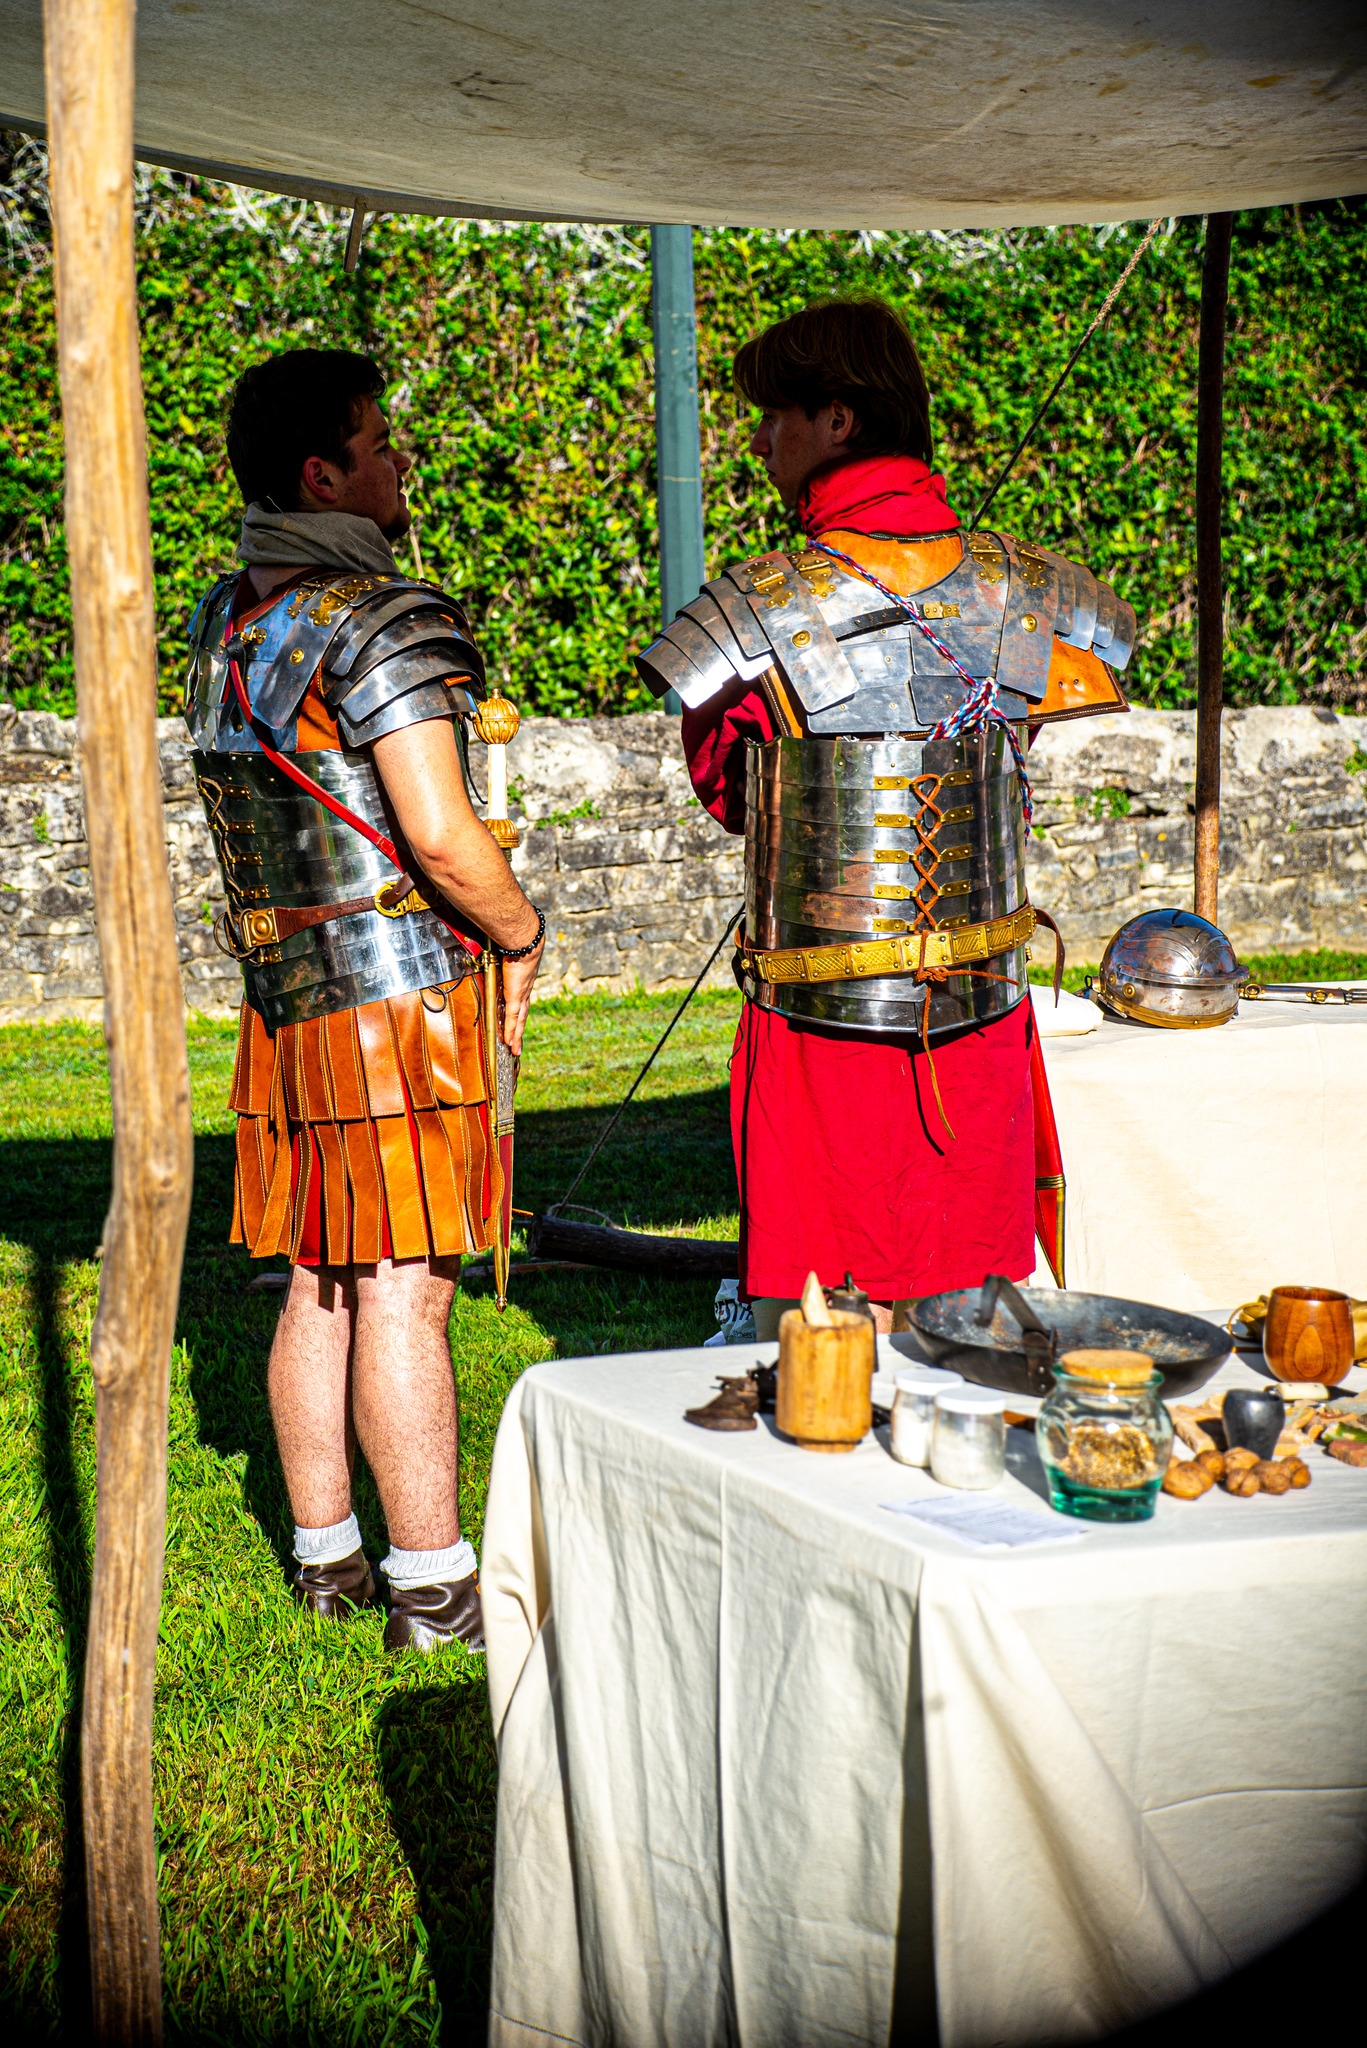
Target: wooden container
{"type": "Point", "coordinates": [1308, 1334]}
{"type": "Point", "coordinates": [825, 1380]}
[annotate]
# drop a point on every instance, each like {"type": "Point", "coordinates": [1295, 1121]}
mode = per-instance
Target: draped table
{"type": "Point", "coordinates": [780, 1767]}
{"type": "Point", "coordinates": [1208, 1166]}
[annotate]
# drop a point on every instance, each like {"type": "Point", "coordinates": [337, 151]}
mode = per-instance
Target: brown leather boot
{"type": "Point", "coordinates": [735, 1407]}
{"type": "Point", "coordinates": [426, 1617]}
{"type": "Point", "coordinates": [336, 1591]}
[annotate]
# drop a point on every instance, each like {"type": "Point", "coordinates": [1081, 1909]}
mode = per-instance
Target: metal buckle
{"type": "Point", "coordinates": [257, 928]}
{"type": "Point", "coordinates": [244, 932]}
{"type": "Point", "coordinates": [405, 906]}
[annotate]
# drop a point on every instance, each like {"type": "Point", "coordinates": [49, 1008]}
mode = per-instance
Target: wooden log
{"type": "Point", "coordinates": [1210, 598]}
{"type": "Point", "coordinates": [90, 63]}
{"type": "Point", "coordinates": [633, 1251]}
{"type": "Point", "coordinates": [825, 1380]}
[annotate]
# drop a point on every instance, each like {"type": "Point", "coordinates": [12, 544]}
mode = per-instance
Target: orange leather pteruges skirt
{"type": "Point", "coordinates": [364, 1135]}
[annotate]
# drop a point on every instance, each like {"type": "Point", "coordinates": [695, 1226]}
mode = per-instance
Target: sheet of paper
{"type": "Point", "coordinates": [985, 1523]}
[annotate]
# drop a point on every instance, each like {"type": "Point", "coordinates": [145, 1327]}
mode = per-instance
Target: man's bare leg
{"type": "Point", "coordinates": [404, 1397]}
{"type": "Point", "coordinates": [369, 1345]}
{"type": "Point", "coordinates": [363, 1355]}
{"type": "Point", "coordinates": [308, 1380]}
{"type": "Point", "coordinates": [404, 1401]}
{"type": "Point", "coordinates": [310, 1394]}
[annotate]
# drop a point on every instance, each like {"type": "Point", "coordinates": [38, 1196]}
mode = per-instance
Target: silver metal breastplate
{"type": "Point", "coordinates": [852, 839]}
{"type": "Point", "coordinates": [278, 846]}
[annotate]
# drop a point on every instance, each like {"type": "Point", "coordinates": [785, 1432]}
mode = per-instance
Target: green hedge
{"type": "Point", "coordinates": [522, 380]}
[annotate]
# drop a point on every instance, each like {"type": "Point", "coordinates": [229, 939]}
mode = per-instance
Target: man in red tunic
{"type": "Point", "coordinates": [868, 737]}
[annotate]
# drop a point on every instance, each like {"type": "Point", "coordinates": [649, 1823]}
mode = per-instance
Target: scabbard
{"type": "Point", "coordinates": [500, 1162]}
{"type": "Point", "coordinates": [1050, 1188]}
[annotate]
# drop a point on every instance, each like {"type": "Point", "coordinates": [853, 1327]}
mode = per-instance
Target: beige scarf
{"type": "Point", "coordinates": [307, 540]}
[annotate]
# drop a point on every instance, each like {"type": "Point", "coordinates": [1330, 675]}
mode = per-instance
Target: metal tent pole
{"type": "Point", "coordinates": [90, 60]}
{"type": "Point", "coordinates": [1210, 650]}
{"type": "Point", "coordinates": [678, 452]}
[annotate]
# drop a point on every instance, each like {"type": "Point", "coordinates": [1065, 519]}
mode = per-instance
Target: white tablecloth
{"type": "Point", "coordinates": [1209, 1166]}
{"type": "Point", "coordinates": [780, 1769]}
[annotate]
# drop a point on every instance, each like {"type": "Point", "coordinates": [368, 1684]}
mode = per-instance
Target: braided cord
{"type": "Point", "coordinates": [979, 707]}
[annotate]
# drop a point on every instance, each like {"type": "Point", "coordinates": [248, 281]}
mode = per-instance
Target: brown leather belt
{"type": "Point", "coordinates": [243, 932]}
{"type": "Point", "coordinates": [919, 951]}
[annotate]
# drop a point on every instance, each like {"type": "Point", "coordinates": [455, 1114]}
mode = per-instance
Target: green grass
{"type": "Point", "coordinates": [325, 1817]}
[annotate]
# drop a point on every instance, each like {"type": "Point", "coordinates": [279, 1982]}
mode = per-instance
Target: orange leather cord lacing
{"type": "Point", "coordinates": [925, 895]}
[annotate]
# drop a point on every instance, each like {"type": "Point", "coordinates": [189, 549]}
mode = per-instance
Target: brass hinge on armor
{"type": "Point", "coordinates": [915, 955]}
{"type": "Point", "coordinates": [248, 931]}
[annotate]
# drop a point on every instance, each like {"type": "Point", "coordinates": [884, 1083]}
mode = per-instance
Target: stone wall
{"type": "Point", "coordinates": [638, 882]}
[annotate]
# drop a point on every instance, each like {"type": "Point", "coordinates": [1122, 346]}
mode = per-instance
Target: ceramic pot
{"type": "Point", "coordinates": [1254, 1418]}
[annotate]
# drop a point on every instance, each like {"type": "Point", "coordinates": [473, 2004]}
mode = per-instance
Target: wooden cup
{"type": "Point", "coordinates": [1308, 1334]}
{"type": "Point", "coordinates": [825, 1381]}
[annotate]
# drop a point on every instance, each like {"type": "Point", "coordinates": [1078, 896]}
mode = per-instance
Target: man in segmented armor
{"type": "Point", "coordinates": [860, 708]}
{"type": "Point", "coordinates": [327, 696]}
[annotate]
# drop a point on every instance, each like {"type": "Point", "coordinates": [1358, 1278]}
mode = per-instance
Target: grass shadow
{"type": "Point", "coordinates": [437, 1765]}
{"type": "Point", "coordinates": [53, 1198]}
{"type": "Point", "coordinates": [668, 1166]}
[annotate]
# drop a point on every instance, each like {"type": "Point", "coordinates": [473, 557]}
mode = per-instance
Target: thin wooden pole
{"type": "Point", "coordinates": [90, 61]}
{"type": "Point", "coordinates": [678, 452]}
{"type": "Point", "coordinates": [1210, 598]}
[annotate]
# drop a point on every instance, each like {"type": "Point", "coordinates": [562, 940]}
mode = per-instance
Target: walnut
{"type": "Point", "coordinates": [1242, 1479]}
{"type": "Point", "coordinates": [1273, 1477]}
{"type": "Point", "coordinates": [1212, 1462]}
{"type": "Point", "coordinates": [1188, 1480]}
{"type": "Point", "coordinates": [1299, 1470]}
{"type": "Point", "coordinates": [1240, 1460]}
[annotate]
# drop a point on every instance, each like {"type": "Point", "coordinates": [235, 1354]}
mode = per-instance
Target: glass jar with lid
{"type": "Point", "coordinates": [1104, 1436]}
{"type": "Point", "coordinates": [968, 1437]}
{"type": "Point", "coordinates": [913, 1411]}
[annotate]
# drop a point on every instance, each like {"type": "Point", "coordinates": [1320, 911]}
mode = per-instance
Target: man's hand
{"type": "Point", "coordinates": [518, 976]}
{"type": "Point", "coordinates": [420, 769]}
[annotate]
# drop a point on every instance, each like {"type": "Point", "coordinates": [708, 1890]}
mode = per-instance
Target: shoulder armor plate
{"type": "Point", "coordinates": [856, 663]}
{"type": "Point", "coordinates": [378, 639]}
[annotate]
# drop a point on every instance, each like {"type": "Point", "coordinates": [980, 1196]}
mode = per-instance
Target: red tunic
{"type": "Point", "coordinates": [842, 1160]}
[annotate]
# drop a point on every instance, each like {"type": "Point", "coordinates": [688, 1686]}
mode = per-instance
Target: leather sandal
{"type": "Point", "coordinates": [427, 1617]}
{"type": "Point", "coordinates": [336, 1591]}
{"type": "Point", "coordinates": [735, 1407]}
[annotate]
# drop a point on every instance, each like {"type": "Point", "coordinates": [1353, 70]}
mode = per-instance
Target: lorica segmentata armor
{"type": "Point", "coordinates": [850, 841]}
{"type": "Point", "coordinates": [391, 653]}
{"type": "Point", "coordinates": [885, 856]}
{"type": "Point", "coordinates": [853, 663]}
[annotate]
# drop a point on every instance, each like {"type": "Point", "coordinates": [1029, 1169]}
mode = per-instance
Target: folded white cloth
{"type": "Point", "coordinates": [1074, 1016]}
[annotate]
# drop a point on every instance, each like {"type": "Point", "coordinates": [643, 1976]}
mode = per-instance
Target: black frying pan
{"type": "Point", "coordinates": [1007, 1337]}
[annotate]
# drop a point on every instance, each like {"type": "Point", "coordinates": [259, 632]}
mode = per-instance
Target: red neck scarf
{"type": "Point", "coordinates": [894, 494]}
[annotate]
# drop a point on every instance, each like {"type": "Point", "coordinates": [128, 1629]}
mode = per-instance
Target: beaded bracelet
{"type": "Point", "coordinates": [521, 952]}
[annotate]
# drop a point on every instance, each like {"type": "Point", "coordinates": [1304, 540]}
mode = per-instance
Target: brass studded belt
{"type": "Point", "coordinates": [915, 954]}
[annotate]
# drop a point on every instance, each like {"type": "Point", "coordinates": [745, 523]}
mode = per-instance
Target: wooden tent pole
{"type": "Point", "coordinates": [1210, 599]}
{"type": "Point", "coordinates": [90, 62]}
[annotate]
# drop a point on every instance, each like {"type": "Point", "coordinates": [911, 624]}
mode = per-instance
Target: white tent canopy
{"type": "Point", "coordinates": [837, 113]}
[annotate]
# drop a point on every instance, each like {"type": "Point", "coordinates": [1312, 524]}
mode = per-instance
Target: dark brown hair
{"type": "Point", "coordinates": [854, 349]}
{"type": "Point", "coordinates": [305, 402]}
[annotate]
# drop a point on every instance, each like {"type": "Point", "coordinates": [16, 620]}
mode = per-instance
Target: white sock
{"type": "Point", "coordinates": [405, 1568]}
{"type": "Point", "coordinates": [328, 1546]}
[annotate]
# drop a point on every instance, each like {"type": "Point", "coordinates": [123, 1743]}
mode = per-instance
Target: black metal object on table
{"type": "Point", "coordinates": [1008, 1337]}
